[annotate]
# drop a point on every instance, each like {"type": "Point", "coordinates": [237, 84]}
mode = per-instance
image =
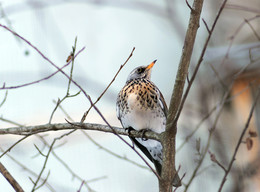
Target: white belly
{"type": "Point", "coordinates": [140, 118]}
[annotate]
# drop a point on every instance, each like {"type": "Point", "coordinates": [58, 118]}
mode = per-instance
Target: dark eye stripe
{"type": "Point", "coordinates": [140, 70]}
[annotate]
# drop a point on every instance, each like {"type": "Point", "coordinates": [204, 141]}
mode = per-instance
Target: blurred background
{"type": "Point", "coordinates": [220, 99]}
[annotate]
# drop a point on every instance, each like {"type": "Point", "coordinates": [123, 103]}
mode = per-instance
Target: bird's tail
{"type": "Point", "coordinates": [157, 164]}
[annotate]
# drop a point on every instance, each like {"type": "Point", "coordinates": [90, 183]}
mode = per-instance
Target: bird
{"type": "Point", "coordinates": [141, 106]}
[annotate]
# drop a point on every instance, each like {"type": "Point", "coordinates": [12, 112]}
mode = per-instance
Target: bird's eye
{"type": "Point", "coordinates": [140, 70]}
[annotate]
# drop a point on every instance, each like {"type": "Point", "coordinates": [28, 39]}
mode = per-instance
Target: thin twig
{"type": "Point", "coordinates": [64, 111]}
{"type": "Point", "coordinates": [224, 99]}
{"type": "Point", "coordinates": [187, 3]}
{"type": "Point", "coordinates": [72, 55]}
{"type": "Point", "coordinates": [74, 175]}
{"type": "Point", "coordinates": [27, 169]}
{"type": "Point", "coordinates": [252, 28]}
{"type": "Point", "coordinates": [43, 168]}
{"type": "Point", "coordinates": [206, 25]}
{"type": "Point", "coordinates": [239, 141]}
{"type": "Point", "coordinates": [9, 24]}
{"type": "Point", "coordinates": [199, 61]}
{"type": "Point", "coordinates": [211, 131]}
{"type": "Point", "coordinates": [39, 151]}
{"type": "Point", "coordinates": [86, 113]}
{"type": "Point", "coordinates": [72, 65]}
{"type": "Point", "coordinates": [4, 87]}
{"type": "Point", "coordinates": [1, 104]}
{"type": "Point", "coordinates": [197, 127]}
{"type": "Point", "coordinates": [214, 159]}
{"type": "Point", "coordinates": [112, 153]}
{"type": "Point", "coordinates": [80, 187]}
{"type": "Point", "coordinates": [242, 8]}
{"type": "Point", "coordinates": [10, 121]}
{"type": "Point", "coordinates": [44, 181]}
{"type": "Point", "coordinates": [232, 38]}
{"type": "Point", "coordinates": [9, 149]}
{"type": "Point", "coordinates": [220, 80]}
{"type": "Point", "coordinates": [188, 137]}
{"type": "Point", "coordinates": [46, 159]}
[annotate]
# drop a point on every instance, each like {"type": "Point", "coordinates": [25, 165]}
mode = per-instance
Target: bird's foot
{"type": "Point", "coordinates": [143, 132]}
{"type": "Point", "coordinates": [129, 129]}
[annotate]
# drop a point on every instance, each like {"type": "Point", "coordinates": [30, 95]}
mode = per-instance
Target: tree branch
{"type": "Point", "coordinates": [30, 130]}
{"type": "Point", "coordinates": [25, 168]}
{"type": "Point", "coordinates": [10, 179]}
{"type": "Point", "coordinates": [101, 95]}
{"type": "Point", "coordinates": [168, 140]}
{"type": "Point", "coordinates": [239, 141]}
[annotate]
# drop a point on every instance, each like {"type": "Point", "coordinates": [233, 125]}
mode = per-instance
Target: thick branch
{"type": "Point", "coordinates": [30, 130]}
{"type": "Point", "coordinates": [168, 141]}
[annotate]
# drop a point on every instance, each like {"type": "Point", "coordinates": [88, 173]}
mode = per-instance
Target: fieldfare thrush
{"type": "Point", "coordinates": [141, 106]}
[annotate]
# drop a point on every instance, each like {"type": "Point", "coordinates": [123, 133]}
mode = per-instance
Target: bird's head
{"type": "Point", "coordinates": [143, 72]}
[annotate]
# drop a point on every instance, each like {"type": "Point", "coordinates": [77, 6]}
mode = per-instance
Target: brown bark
{"type": "Point", "coordinates": [168, 138]}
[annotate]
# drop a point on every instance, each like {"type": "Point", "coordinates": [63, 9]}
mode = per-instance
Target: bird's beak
{"type": "Point", "coordinates": [151, 65]}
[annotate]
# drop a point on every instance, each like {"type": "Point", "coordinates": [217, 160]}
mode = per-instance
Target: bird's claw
{"type": "Point", "coordinates": [143, 131]}
{"type": "Point", "coordinates": [129, 129]}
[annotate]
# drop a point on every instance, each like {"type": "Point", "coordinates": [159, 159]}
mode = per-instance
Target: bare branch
{"type": "Point", "coordinates": [39, 151]}
{"type": "Point", "coordinates": [188, 137]}
{"type": "Point", "coordinates": [74, 175]}
{"type": "Point", "coordinates": [187, 3]}
{"type": "Point", "coordinates": [206, 25]}
{"type": "Point", "coordinates": [242, 8]}
{"type": "Point", "coordinates": [214, 159]}
{"type": "Point", "coordinates": [220, 108]}
{"type": "Point", "coordinates": [64, 111]}
{"type": "Point", "coordinates": [43, 168]}
{"type": "Point", "coordinates": [199, 61]}
{"type": "Point", "coordinates": [211, 131]}
{"type": "Point", "coordinates": [10, 121]}
{"type": "Point", "coordinates": [29, 130]}
{"type": "Point", "coordinates": [1, 104]}
{"type": "Point", "coordinates": [86, 113]}
{"type": "Point", "coordinates": [27, 169]}
{"type": "Point", "coordinates": [112, 153]}
{"type": "Point", "coordinates": [51, 147]}
{"type": "Point", "coordinates": [9, 149]}
{"type": "Point", "coordinates": [239, 141]}
{"type": "Point", "coordinates": [35, 187]}
{"type": "Point", "coordinates": [72, 59]}
{"type": "Point", "coordinates": [10, 179]}
{"type": "Point", "coordinates": [44, 180]}
{"type": "Point", "coordinates": [252, 28]}
{"type": "Point", "coordinates": [235, 34]}
{"type": "Point", "coordinates": [80, 187]}
{"type": "Point", "coordinates": [4, 87]}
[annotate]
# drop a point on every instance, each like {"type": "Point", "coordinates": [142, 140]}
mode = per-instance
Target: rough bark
{"type": "Point", "coordinates": [168, 138]}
